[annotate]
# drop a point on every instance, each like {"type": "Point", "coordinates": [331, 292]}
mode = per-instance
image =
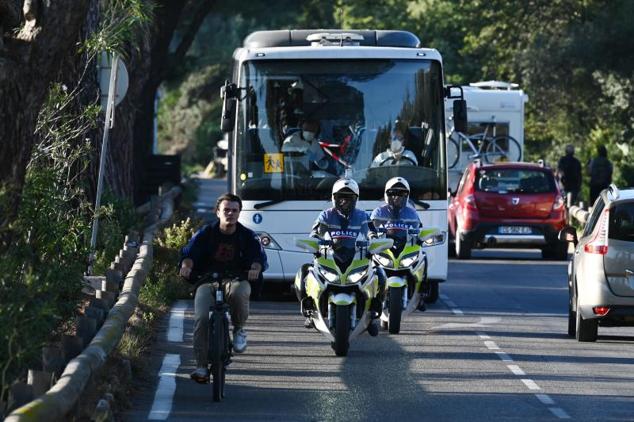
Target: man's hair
{"type": "Point", "coordinates": [228, 197]}
{"type": "Point", "coordinates": [602, 151]}
{"type": "Point", "coordinates": [570, 149]}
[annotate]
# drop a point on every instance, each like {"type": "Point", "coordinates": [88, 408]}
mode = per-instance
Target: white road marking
{"type": "Point", "coordinates": [545, 398]}
{"type": "Point", "coordinates": [559, 412]}
{"type": "Point", "coordinates": [516, 370]}
{"type": "Point", "coordinates": [177, 316]}
{"type": "Point", "coordinates": [162, 405]}
{"type": "Point", "coordinates": [491, 345]}
{"type": "Point", "coordinates": [505, 357]}
{"type": "Point", "coordinates": [532, 385]}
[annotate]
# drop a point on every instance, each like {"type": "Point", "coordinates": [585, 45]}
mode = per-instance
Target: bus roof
{"type": "Point", "coordinates": [307, 37]}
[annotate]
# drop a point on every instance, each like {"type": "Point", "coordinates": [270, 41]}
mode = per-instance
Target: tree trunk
{"type": "Point", "coordinates": [29, 61]}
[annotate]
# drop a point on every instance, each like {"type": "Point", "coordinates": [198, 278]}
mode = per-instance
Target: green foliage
{"type": "Point", "coordinates": [120, 22]}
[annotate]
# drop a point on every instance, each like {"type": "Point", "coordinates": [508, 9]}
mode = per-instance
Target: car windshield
{"type": "Point", "coordinates": [622, 222]}
{"type": "Point", "coordinates": [503, 180]}
{"type": "Point", "coordinates": [305, 123]}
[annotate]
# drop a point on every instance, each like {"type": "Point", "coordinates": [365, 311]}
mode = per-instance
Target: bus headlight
{"type": "Point", "coordinates": [268, 242]}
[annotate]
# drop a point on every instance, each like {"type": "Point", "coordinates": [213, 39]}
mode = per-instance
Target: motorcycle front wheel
{"type": "Point", "coordinates": [396, 308]}
{"type": "Point", "coordinates": [342, 330]}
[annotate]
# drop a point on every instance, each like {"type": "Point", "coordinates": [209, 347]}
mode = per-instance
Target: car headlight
{"type": "Point", "coordinates": [357, 275]}
{"type": "Point", "coordinates": [328, 274]}
{"type": "Point", "coordinates": [408, 260]}
{"type": "Point", "coordinates": [383, 260]}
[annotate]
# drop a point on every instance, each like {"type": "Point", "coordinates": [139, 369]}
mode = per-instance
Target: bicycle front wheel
{"type": "Point", "coordinates": [502, 148]}
{"type": "Point", "coordinates": [453, 152]}
{"type": "Point", "coordinates": [218, 341]}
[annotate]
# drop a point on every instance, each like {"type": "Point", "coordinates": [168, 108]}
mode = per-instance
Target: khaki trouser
{"type": "Point", "coordinates": [237, 296]}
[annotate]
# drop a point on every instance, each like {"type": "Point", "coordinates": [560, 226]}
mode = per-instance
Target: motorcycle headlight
{"type": "Point", "coordinates": [328, 274]}
{"type": "Point", "coordinates": [438, 239]}
{"type": "Point", "coordinates": [383, 260]}
{"type": "Point", "coordinates": [357, 275]}
{"type": "Point", "coordinates": [409, 260]}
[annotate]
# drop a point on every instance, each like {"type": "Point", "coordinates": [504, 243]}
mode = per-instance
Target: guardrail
{"type": "Point", "coordinates": [135, 261]}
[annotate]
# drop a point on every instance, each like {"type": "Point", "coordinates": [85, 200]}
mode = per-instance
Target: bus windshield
{"type": "Point", "coordinates": [302, 124]}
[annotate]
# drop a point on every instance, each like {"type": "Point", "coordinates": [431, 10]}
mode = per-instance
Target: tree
{"type": "Point", "coordinates": [33, 48]}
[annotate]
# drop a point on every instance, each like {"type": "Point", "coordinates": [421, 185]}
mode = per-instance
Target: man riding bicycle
{"type": "Point", "coordinates": [395, 217]}
{"type": "Point", "coordinates": [224, 247]}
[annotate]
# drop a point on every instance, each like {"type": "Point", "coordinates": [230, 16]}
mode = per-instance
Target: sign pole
{"type": "Point", "coordinates": [108, 124]}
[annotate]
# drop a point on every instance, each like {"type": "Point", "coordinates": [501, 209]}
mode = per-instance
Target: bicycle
{"type": "Point", "coordinates": [495, 147]}
{"type": "Point", "coordinates": [220, 349]}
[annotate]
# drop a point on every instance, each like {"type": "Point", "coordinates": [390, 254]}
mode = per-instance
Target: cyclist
{"type": "Point", "coordinates": [224, 247]}
{"type": "Point", "coordinates": [396, 217]}
{"type": "Point", "coordinates": [344, 223]}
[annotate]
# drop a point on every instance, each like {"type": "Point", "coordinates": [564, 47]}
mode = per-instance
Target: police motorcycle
{"type": "Point", "coordinates": [405, 265]}
{"type": "Point", "coordinates": [341, 293]}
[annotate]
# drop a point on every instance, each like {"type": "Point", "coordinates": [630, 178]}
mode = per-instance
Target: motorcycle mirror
{"type": "Point", "coordinates": [379, 245]}
{"type": "Point", "coordinates": [310, 245]}
{"type": "Point", "coordinates": [431, 237]}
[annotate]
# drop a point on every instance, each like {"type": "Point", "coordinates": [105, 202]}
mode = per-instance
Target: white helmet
{"type": "Point", "coordinates": [400, 184]}
{"type": "Point", "coordinates": [345, 186]}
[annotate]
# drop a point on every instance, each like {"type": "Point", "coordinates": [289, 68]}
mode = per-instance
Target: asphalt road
{"type": "Point", "coordinates": [494, 347]}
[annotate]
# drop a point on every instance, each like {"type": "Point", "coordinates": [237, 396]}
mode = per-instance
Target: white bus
{"type": "Point", "coordinates": [356, 85]}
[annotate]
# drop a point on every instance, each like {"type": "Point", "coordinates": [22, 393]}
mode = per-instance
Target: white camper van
{"type": "Point", "coordinates": [498, 105]}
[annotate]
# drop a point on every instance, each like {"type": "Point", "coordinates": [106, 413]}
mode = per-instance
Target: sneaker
{"type": "Point", "coordinates": [239, 340]}
{"type": "Point", "coordinates": [308, 323]}
{"type": "Point", "coordinates": [200, 375]}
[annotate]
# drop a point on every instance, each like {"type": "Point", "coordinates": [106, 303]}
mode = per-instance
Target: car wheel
{"type": "Point", "coordinates": [463, 247]}
{"type": "Point", "coordinates": [572, 318]}
{"type": "Point", "coordinates": [586, 329]}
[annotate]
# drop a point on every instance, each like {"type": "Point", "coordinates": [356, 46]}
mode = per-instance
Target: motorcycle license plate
{"type": "Point", "coordinates": [514, 230]}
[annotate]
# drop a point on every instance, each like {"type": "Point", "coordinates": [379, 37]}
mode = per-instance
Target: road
{"type": "Point", "coordinates": [494, 347]}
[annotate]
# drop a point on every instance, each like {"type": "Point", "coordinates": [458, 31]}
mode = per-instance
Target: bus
{"type": "Point", "coordinates": [356, 86]}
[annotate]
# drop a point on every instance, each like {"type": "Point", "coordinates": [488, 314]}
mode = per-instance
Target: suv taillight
{"type": "Point", "coordinates": [599, 243]}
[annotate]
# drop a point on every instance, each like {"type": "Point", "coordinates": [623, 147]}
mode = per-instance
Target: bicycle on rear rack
{"type": "Point", "coordinates": [220, 345]}
{"type": "Point", "coordinates": [490, 147]}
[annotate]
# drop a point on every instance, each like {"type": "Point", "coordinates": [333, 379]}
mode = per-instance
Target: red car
{"type": "Point", "coordinates": [507, 205]}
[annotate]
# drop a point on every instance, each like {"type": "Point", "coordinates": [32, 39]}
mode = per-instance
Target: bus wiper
{"type": "Point", "coordinates": [267, 203]}
{"type": "Point", "coordinates": [420, 203]}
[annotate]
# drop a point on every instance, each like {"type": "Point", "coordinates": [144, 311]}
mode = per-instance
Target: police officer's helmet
{"type": "Point", "coordinates": [345, 189]}
{"type": "Point", "coordinates": [396, 192]}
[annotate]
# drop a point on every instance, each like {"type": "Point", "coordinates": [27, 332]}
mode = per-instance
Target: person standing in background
{"type": "Point", "coordinates": [600, 171]}
{"type": "Point", "coordinates": [569, 173]}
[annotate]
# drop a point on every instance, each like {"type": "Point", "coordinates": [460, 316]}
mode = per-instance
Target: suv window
{"type": "Point", "coordinates": [594, 217]}
{"type": "Point", "coordinates": [622, 222]}
{"type": "Point", "coordinates": [514, 180]}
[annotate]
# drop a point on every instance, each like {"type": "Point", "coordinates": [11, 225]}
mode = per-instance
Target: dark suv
{"type": "Point", "coordinates": [508, 205]}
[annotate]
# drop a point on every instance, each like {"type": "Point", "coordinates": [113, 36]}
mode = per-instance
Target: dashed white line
{"type": "Point", "coordinates": [177, 316]}
{"type": "Point", "coordinates": [530, 384]}
{"type": "Point", "coordinates": [491, 345]}
{"type": "Point", "coordinates": [162, 405]}
{"type": "Point", "coordinates": [516, 370]}
{"type": "Point", "coordinates": [545, 398]}
{"type": "Point", "coordinates": [504, 356]}
{"type": "Point", "coordinates": [559, 412]}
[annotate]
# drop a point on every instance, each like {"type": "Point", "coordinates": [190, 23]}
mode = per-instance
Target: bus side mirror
{"type": "Point", "coordinates": [460, 115]}
{"type": "Point", "coordinates": [229, 94]}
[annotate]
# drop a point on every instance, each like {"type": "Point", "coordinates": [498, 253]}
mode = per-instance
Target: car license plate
{"type": "Point", "coordinates": [515, 230]}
